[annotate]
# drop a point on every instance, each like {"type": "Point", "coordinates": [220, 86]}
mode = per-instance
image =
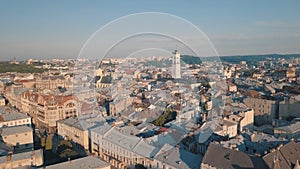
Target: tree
{"type": "Point", "coordinates": [166, 117]}
{"type": "Point", "coordinates": [65, 149]}
{"type": "Point", "coordinates": [68, 153]}
{"type": "Point", "coordinates": [140, 166]}
{"type": "Point", "coordinates": [49, 143]}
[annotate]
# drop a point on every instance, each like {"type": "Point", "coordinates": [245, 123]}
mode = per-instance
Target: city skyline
{"type": "Point", "coordinates": [45, 30]}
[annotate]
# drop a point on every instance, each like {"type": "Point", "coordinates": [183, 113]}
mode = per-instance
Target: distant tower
{"type": "Point", "coordinates": [176, 65]}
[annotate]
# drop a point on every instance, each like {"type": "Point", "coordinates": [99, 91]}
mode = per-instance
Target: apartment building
{"type": "Point", "coordinates": [20, 137]}
{"type": "Point", "coordinates": [9, 118]}
{"type": "Point", "coordinates": [76, 129]}
{"type": "Point", "coordinates": [50, 82]}
{"type": "Point", "coordinates": [264, 110]}
{"type": "Point", "coordinates": [120, 149]}
{"type": "Point", "coordinates": [47, 109]}
{"type": "Point", "coordinates": [29, 159]}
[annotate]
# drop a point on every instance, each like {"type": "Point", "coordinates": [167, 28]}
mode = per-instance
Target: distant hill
{"type": "Point", "coordinates": [188, 59]}
{"type": "Point", "coordinates": [257, 58]}
{"type": "Point", "coordinates": [20, 68]}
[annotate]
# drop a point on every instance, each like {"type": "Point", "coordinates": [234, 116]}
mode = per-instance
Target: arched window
{"type": "Point", "coordinates": [70, 105]}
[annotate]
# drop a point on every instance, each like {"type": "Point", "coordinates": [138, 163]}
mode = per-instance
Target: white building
{"type": "Point", "coordinates": [120, 149]}
{"type": "Point", "coordinates": [226, 128]}
{"type": "Point", "coordinates": [176, 65]}
{"type": "Point", "coordinates": [9, 119]}
{"type": "Point", "coordinates": [244, 119]}
{"type": "Point", "coordinates": [76, 128]}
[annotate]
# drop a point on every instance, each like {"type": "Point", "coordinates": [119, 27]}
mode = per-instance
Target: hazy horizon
{"type": "Point", "coordinates": [59, 29]}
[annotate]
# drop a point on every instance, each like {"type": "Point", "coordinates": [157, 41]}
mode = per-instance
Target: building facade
{"type": "Point", "coordinates": [23, 160]}
{"type": "Point", "coordinates": [264, 110]}
{"type": "Point", "coordinates": [176, 65]}
{"type": "Point", "coordinates": [20, 137]}
{"type": "Point", "coordinates": [50, 82]}
{"type": "Point", "coordinates": [47, 109]}
{"type": "Point", "coordinates": [119, 149]}
{"type": "Point", "coordinates": [9, 119]}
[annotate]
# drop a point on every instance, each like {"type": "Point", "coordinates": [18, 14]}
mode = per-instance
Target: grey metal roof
{"type": "Point", "coordinates": [84, 122]}
{"type": "Point", "coordinates": [126, 141]}
{"type": "Point", "coordinates": [101, 130]}
{"type": "Point", "coordinates": [81, 163]}
{"type": "Point", "coordinates": [292, 128]}
{"type": "Point", "coordinates": [15, 130]}
{"type": "Point", "coordinates": [22, 156]}
{"type": "Point", "coordinates": [179, 158]}
{"type": "Point", "coordinates": [13, 116]}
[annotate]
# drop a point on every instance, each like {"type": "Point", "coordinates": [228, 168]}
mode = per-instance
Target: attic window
{"type": "Point", "coordinates": [227, 156]}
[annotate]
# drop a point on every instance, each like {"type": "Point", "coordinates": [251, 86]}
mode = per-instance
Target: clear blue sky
{"type": "Point", "coordinates": [59, 28]}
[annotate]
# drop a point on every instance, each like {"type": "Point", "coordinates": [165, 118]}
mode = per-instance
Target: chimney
{"type": "Point", "coordinates": [297, 165]}
{"type": "Point", "coordinates": [203, 116]}
{"type": "Point", "coordinates": [32, 153]}
{"type": "Point", "coordinates": [8, 158]}
{"type": "Point", "coordinates": [252, 137]}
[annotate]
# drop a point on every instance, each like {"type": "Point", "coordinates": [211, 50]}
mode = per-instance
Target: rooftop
{"type": "Point", "coordinates": [22, 156]}
{"type": "Point", "coordinates": [230, 159]}
{"type": "Point", "coordinates": [292, 128]}
{"type": "Point", "coordinates": [178, 157]}
{"type": "Point", "coordinates": [286, 156]}
{"type": "Point", "coordinates": [83, 122]}
{"type": "Point", "coordinates": [15, 130]}
{"type": "Point", "coordinates": [126, 141]}
{"type": "Point", "coordinates": [81, 163]}
{"type": "Point", "coordinates": [4, 117]}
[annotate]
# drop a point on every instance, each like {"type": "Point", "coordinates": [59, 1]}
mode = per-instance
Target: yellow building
{"type": "Point", "coordinates": [71, 129]}
{"type": "Point", "coordinates": [20, 137]}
